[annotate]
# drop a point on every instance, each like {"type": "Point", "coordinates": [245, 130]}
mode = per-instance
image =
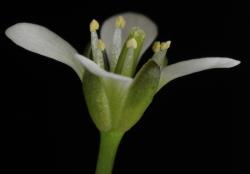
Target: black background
{"type": "Point", "coordinates": [196, 124]}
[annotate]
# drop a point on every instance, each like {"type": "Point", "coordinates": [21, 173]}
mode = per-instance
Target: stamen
{"type": "Point", "coordinates": [156, 47]}
{"type": "Point", "coordinates": [96, 46]}
{"type": "Point", "coordinates": [120, 22]}
{"type": "Point", "coordinates": [94, 25]}
{"type": "Point", "coordinates": [117, 42]}
{"type": "Point", "coordinates": [160, 51]}
{"type": "Point", "coordinates": [101, 45]}
{"type": "Point", "coordinates": [132, 43]}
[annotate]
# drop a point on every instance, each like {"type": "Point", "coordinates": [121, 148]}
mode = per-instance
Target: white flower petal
{"type": "Point", "coordinates": [132, 20]}
{"type": "Point", "coordinates": [95, 69]}
{"type": "Point", "coordinates": [187, 67]}
{"type": "Point", "coordinates": [41, 40]}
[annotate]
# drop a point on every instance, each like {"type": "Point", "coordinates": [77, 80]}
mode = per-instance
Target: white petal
{"type": "Point", "coordinates": [95, 69]}
{"type": "Point", "coordinates": [187, 67]}
{"type": "Point", "coordinates": [41, 40]}
{"type": "Point", "coordinates": [132, 20]}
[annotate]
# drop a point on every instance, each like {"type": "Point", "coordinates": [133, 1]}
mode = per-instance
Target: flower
{"type": "Point", "coordinates": [116, 95]}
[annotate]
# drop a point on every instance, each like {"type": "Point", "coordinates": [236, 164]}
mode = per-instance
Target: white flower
{"type": "Point", "coordinates": [115, 96]}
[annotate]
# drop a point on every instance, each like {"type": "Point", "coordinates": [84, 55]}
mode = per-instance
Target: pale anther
{"type": "Point", "coordinates": [165, 45]}
{"type": "Point", "coordinates": [156, 46]}
{"type": "Point", "coordinates": [101, 45]}
{"type": "Point", "coordinates": [120, 22]}
{"type": "Point", "coordinates": [94, 25]}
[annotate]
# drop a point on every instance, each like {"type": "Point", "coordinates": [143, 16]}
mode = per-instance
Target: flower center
{"type": "Point", "coordinates": [123, 58]}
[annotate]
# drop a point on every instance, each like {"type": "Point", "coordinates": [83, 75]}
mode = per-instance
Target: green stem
{"type": "Point", "coordinates": [109, 143]}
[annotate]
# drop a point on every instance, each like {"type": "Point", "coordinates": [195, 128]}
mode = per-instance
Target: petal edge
{"type": "Point", "coordinates": [187, 67]}
{"type": "Point", "coordinates": [41, 40]}
{"type": "Point", "coordinates": [95, 69]}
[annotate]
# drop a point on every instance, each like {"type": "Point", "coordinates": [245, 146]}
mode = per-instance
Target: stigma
{"type": "Point", "coordinates": [132, 43]}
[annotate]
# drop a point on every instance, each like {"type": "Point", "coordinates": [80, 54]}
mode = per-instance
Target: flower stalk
{"type": "Point", "coordinates": [109, 143]}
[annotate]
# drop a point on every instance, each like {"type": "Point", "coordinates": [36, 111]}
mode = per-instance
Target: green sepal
{"type": "Point", "coordinates": [140, 95]}
{"type": "Point", "coordinates": [116, 93]}
{"type": "Point", "coordinates": [97, 101]}
{"type": "Point", "coordinates": [139, 36]}
{"type": "Point", "coordinates": [103, 98]}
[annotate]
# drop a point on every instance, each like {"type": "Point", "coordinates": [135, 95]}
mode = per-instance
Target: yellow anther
{"type": "Point", "coordinates": [94, 25]}
{"type": "Point", "coordinates": [101, 45]}
{"type": "Point", "coordinates": [156, 46]}
{"type": "Point", "coordinates": [131, 43]}
{"type": "Point", "coordinates": [165, 45]}
{"type": "Point", "coordinates": [120, 22]}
